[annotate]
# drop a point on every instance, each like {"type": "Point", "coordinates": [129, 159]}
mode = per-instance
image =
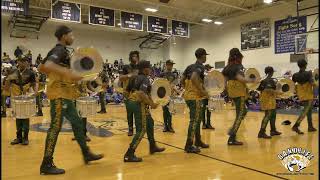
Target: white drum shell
{"type": "Point", "coordinates": [86, 106]}
{"type": "Point", "coordinates": [177, 105]}
{"type": "Point", "coordinates": [215, 104]}
{"type": "Point", "coordinates": [23, 107]}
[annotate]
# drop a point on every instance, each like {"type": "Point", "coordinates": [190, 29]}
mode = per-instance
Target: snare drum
{"type": "Point", "coordinates": [215, 103]}
{"type": "Point", "coordinates": [23, 107]}
{"type": "Point", "coordinates": [177, 105]}
{"type": "Point", "coordinates": [87, 106]}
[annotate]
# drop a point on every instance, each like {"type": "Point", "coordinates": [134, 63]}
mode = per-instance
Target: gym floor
{"type": "Point", "coordinates": [256, 159]}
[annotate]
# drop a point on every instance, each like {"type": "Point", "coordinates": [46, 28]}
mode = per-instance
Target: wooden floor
{"type": "Point", "coordinates": [256, 160]}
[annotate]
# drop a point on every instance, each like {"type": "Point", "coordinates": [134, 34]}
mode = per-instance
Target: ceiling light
{"type": "Point", "coordinates": [218, 22]}
{"type": "Point", "coordinates": [267, 1]}
{"type": "Point", "coordinates": [119, 24]}
{"type": "Point", "coordinates": [253, 28]}
{"type": "Point", "coordinates": [151, 10]}
{"type": "Point", "coordinates": [207, 20]}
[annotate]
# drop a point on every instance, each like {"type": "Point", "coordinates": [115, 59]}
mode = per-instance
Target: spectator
{"type": "Point", "coordinates": [18, 52]}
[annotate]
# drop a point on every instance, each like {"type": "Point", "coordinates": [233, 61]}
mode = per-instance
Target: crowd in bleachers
{"type": "Point", "coordinates": [113, 69]}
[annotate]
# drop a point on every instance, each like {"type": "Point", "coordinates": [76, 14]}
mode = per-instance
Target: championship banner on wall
{"type": "Point", "coordinates": [101, 16]}
{"type": "Point", "coordinates": [285, 31]}
{"type": "Point", "coordinates": [65, 11]}
{"type": "Point", "coordinates": [20, 6]}
{"type": "Point", "coordinates": [255, 35]}
{"type": "Point", "coordinates": [180, 28]}
{"type": "Point", "coordinates": [157, 25]}
{"type": "Point", "coordinates": [131, 21]}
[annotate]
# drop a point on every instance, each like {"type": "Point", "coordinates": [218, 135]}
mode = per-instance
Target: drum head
{"type": "Point", "coordinates": [253, 74]}
{"type": "Point", "coordinates": [161, 91]}
{"type": "Point", "coordinates": [287, 87]}
{"type": "Point", "coordinates": [214, 83]}
{"type": "Point", "coordinates": [86, 62]}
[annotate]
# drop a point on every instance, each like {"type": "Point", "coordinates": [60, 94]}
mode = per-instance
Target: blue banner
{"type": "Point", "coordinates": [101, 16]}
{"type": "Point", "coordinates": [21, 6]}
{"type": "Point", "coordinates": [131, 21]}
{"type": "Point", "coordinates": [65, 11]}
{"type": "Point", "coordinates": [180, 28]}
{"type": "Point", "coordinates": [157, 25]}
{"type": "Point", "coordinates": [285, 31]}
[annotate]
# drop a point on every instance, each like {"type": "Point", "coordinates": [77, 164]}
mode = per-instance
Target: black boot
{"type": "Point", "coordinates": [102, 111]}
{"type": "Point", "coordinates": [275, 133]}
{"type": "Point", "coordinates": [170, 129]}
{"type": "Point", "coordinates": [18, 140]}
{"type": "Point", "coordinates": [204, 126]}
{"type": "Point", "coordinates": [130, 157]}
{"type": "Point", "coordinates": [25, 140]}
{"type": "Point", "coordinates": [296, 129]}
{"type": "Point", "coordinates": [165, 129]}
{"type": "Point", "coordinates": [201, 144]}
{"type": "Point", "coordinates": [48, 168]}
{"type": "Point", "coordinates": [262, 134]}
{"type": "Point", "coordinates": [130, 132]}
{"type": "Point", "coordinates": [232, 141]}
{"type": "Point", "coordinates": [154, 148]}
{"type": "Point", "coordinates": [189, 148]}
{"type": "Point", "coordinates": [311, 129]}
{"type": "Point", "coordinates": [39, 113]}
{"type": "Point", "coordinates": [210, 127]}
{"type": "Point", "coordinates": [89, 156]}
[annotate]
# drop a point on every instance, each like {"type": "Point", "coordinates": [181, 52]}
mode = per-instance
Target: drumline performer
{"type": "Point", "coordinates": [82, 92]}
{"type": "Point", "coordinates": [102, 94]}
{"type": "Point", "coordinates": [139, 101]}
{"type": "Point", "coordinates": [237, 90]}
{"type": "Point", "coordinates": [206, 121]}
{"type": "Point", "coordinates": [194, 96]}
{"type": "Point", "coordinates": [128, 71]}
{"type": "Point", "coordinates": [268, 96]}
{"type": "Point", "coordinates": [6, 69]}
{"type": "Point", "coordinates": [170, 76]}
{"type": "Point", "coordinates": [41, 80]}
{"type": "Point", "coordinates": [20, 81]}
{"type": "Point", "coordinates": [62, 92]}
{"type": "Point", "coordinates": [304, 88]}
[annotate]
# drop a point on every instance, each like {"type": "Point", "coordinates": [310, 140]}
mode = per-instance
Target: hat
{"type": "Point", "coordinates": [208, 66]}
{"type": "Point", "coordinates": [144, 64]}
{"type": "Point", "coordinates": [302, 63]}
{"type": "Point", "coordinates": [170, 62]}
{"type": "Point", "coordinates": [268, 70]}
{"type": "Point", "coordinates": [200, 52]}
{"type": "Point", "coordinates": [62, 30]}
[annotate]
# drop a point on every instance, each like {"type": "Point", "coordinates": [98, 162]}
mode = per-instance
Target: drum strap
{"type": "Point", "coordinates": [20, 82]}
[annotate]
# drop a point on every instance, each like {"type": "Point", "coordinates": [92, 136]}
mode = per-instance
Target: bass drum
{"type": "Point", "coordinates": [286, 87]}
{"type": "Point", "coordinates": [86, 62]}
{"type": "Point", "coordinates": [214, 83]}
{"type": "Point", "coordinates": [161, 91]}
{"type": "Point", "coordinates": [177, 105]}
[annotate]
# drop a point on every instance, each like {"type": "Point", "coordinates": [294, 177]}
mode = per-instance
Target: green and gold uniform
{"type": "Point", "coordinates": [167, 116]}
{"type": "Point", "coordinates": [268, 96]}
{"type": "Point", "coordinates": [41, 80]}
{"type": "Point", "coordinates": [238, 92]}
{"type": "Point", "coordinates": [304, 88]}
{"type": "Point", "coordinates": [24, 80]}
{"type": "Point", "coordinates": [62, 92]}
{"type": "Point", "coordinates": [141, 111]}
{"type": "Point", "coordinates": [102, 94]}
{"type": "Point", "coordinates": [127, 69]}
{"type": "Point", "coordinates": [195, 102]}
